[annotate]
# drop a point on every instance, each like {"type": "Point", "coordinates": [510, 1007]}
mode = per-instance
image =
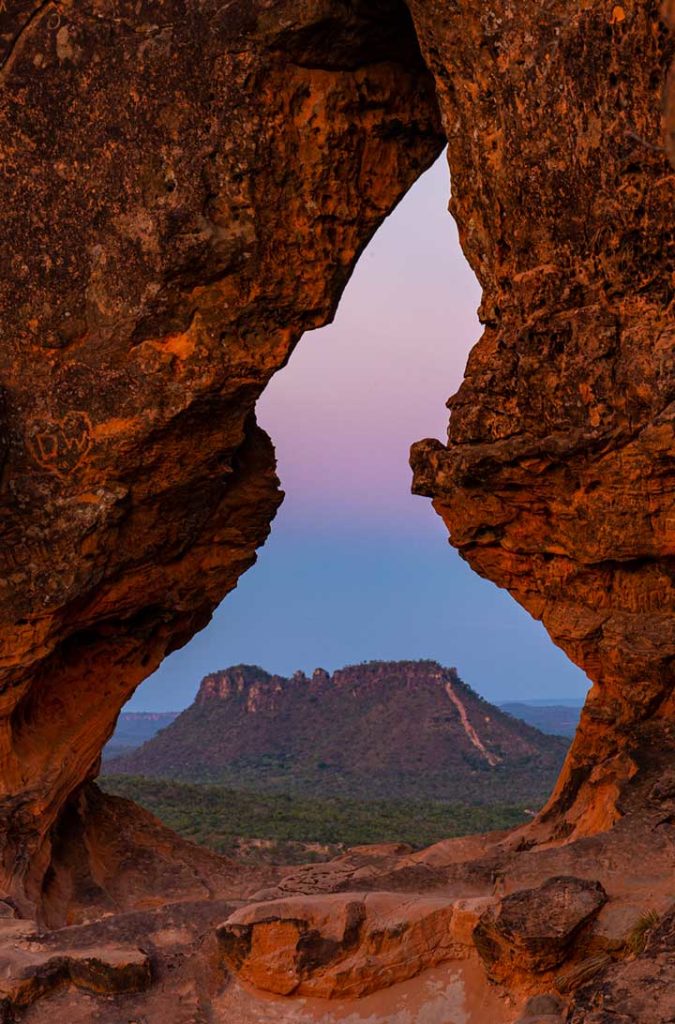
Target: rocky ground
{"type": "Point", "coordinates": [496, 927]}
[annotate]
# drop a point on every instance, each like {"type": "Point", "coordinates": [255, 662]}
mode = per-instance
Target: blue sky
{"type": "Point", "coordinates": [356, 567]}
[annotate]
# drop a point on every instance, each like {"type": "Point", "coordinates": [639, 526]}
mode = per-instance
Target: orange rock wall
{"type": "Point", "coordinates": [186, 189]}
{"type": "Point", "coordinates": [556, 479]}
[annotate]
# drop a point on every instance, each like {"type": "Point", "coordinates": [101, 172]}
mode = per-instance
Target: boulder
{"type": "Point", "coordinates": [339, 945]}
{"type": "Point", "coordinates": [533, 929]}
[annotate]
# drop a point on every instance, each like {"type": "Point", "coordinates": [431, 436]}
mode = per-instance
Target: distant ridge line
{"type": "Point", "coordinates": [409, 729]}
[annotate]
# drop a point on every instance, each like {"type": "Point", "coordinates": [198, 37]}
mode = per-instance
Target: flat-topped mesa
{"type": "Point", "coordinates": [409, 728]}
{"type": "Point", "coordinates": [240, 681]}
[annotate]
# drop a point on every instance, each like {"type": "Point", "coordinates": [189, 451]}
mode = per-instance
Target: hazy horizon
{"type": "Point", "coordinates": [357, 568]}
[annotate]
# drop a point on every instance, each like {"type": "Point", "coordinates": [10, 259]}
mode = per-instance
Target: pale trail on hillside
{"type": "Point", "coordinates": [491, 759]}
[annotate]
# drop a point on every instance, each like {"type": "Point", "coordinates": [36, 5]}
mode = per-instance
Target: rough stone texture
{"type": "Point", "coordinates": [60, 991]}
{"type": "Point", "coordinates": [556, 479]}
{"type": "Point", "coordinates": [109, 855]}
{"type": "Point", "coordinates": [533, 929]}
{"type": "Point", "coordinates": [186, 188]}
{"type": "Point", "coordinates": [668, 13]}
{"type": "Point", "coordinates": [30, 970]}
{"type": "Point", "coordinates": [189, 985]}
{"type": "Point", "coordinates": [633, 991]}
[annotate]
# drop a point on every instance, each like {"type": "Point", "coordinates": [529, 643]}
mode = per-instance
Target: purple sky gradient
{"type": "Point", "coordinates": [357, 567]}
{"type": "Point", "coordinates": [357, 393]}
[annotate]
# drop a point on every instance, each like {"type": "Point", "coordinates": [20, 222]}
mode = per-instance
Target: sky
{"type": "Point", "coordinates": [357, 568]}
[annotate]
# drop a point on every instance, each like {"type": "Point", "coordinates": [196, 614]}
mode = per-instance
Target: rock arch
{"type": "Point", "coordinates": [187, 187]}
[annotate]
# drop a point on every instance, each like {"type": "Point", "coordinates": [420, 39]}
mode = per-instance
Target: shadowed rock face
{"type": "Point", "coordinates": [186, 188]}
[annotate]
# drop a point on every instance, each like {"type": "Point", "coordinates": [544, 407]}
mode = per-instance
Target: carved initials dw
{"type": "Point", "coordinates": [61, 445]}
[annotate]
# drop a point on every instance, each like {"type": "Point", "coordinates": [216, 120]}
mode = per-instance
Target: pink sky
{"type": "Point", "coordinates": [357, 393]}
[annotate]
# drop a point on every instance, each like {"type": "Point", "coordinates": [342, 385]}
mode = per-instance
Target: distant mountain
{"type": "Point", "coordinates": [134, 728]}
{"type": "Point", "coordinates": [555, 719]}
{"type": "Point", "coordinates": [381, 730]}
{"type": "Point", "coordinates": [548, 702]}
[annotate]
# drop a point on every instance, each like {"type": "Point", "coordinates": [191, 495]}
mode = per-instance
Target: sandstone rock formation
{"type": "Point", "coordinates": [556, 478]}
{"type": "Point", "coordinates": [186, 188]}
{"type": "Point", "coordinates": [111, 856]}
{"type": "Point", "coordinates": [338, 945]}
{"type": "Point", "coordinates": [29, 971]}
{"type": "Point", "coordinates": [532, 929]}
